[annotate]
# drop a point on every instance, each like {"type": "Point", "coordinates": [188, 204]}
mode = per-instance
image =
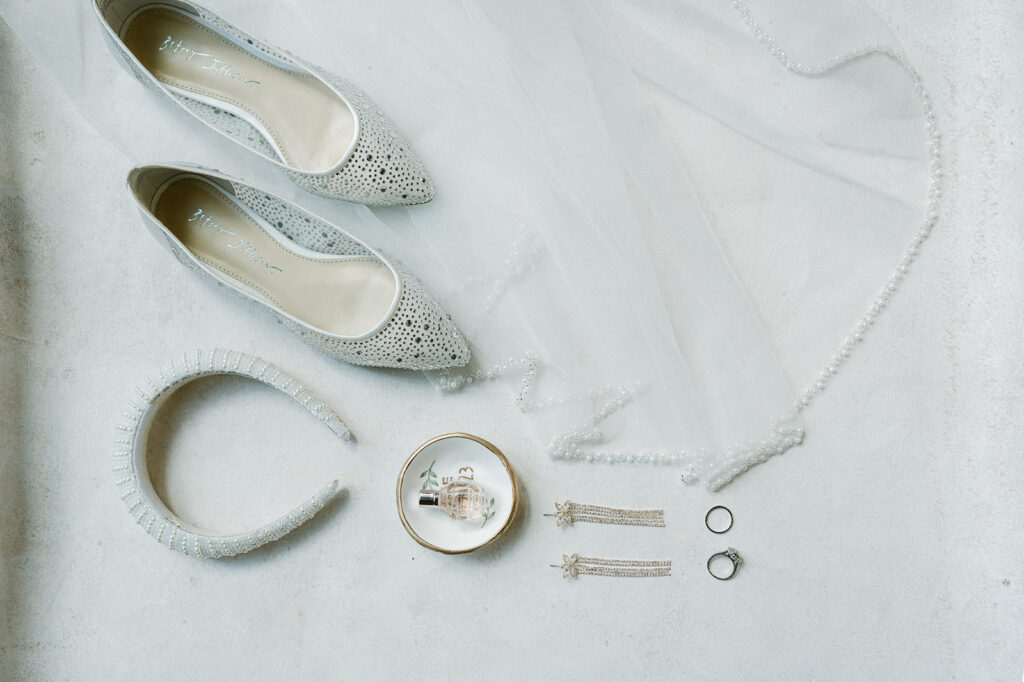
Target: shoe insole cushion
{"type": "Point", "coordinates": [309, 124]}
{"type": "Point", "coordinates": [344, 295]}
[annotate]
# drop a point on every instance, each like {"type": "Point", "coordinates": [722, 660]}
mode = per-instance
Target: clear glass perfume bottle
{"type": "Point", "coordinates": [461, 499]}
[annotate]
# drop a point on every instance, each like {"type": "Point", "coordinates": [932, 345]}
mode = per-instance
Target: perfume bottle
{"type": "Point", "coordinates": [462, 499]}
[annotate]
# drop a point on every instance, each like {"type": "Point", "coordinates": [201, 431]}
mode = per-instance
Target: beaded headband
{"type": "Point", "coordinates": [137, 493]}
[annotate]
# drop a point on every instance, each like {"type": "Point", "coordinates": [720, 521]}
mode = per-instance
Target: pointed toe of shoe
{"type": "Point", "coordinates": [389, 175]}
{"type": "Point", "coordinates": [423, 334]}
{"type": "Point", "coordinates": [382, 168]}
{"type": "Point", "coordinates": [420, 191]}
{"type": "Point", "coordinates": [420, 335]}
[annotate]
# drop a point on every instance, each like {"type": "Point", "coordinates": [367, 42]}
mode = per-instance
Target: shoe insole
{"type": "Point", "coordinates": [308, 123]}
{"type": "Point", "coordinates": [344, 295]}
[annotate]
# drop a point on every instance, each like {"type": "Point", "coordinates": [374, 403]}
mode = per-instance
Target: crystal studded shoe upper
{"type": "Point", "coordinates": [413, 331]}
{"type": "Point", "coordinates": [167, 47]}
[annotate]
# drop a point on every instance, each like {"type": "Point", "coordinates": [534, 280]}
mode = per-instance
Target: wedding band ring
{"type": "Point", "coordinates": [707, 519]}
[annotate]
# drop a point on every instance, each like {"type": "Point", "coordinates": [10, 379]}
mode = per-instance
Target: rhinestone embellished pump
{"type": "Point", "coordinates": [327, 134]}
{"type": "Point", "coordinates": [338, 294]}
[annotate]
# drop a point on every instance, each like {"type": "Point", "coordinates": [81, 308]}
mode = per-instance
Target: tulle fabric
{"type": "Point", "coordinates": [644, 221]}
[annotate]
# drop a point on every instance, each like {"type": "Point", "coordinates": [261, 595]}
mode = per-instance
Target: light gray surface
{"type": "Point", "coordinates": [888, 546]}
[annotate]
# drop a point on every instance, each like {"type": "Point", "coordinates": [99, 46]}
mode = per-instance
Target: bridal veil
{"type": "Point", "coordinates": [649, 214]}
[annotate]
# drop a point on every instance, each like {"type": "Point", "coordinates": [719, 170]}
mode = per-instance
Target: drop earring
{"type": "Point", "coordinates": [570, 513]}
{"type": "Point", "coordinates": [574, 565]}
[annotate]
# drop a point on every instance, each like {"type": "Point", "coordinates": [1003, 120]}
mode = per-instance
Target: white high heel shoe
{"type": "Point", "coordinates": [326, 133]}
{"type": "Point", "coordinates": [338, 294]}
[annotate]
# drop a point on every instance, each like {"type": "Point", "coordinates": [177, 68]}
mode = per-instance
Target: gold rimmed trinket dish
{"type": "Point", "coordinates": [451, 460]}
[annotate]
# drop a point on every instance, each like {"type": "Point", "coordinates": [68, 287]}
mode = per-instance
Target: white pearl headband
{"type": "Point", "coordinates": [132, 475]}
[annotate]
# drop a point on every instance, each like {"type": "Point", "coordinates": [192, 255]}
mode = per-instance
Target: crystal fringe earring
{"type": "Point", "coordinates": [574, 565]}
{"type": "Point", "coordinates": [569, 513]}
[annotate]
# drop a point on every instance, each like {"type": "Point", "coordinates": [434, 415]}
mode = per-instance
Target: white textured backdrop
{"type": "Point", "coordinates": [889, 546]}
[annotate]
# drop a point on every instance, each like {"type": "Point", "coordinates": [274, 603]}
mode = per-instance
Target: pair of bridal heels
{"type": "Point", "coordinates": [334, 291]}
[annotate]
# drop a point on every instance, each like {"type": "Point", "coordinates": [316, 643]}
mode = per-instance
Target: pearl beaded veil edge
{"type": "Point", "coordinates": [132, 477]}
{"type": "Point", "coordinates": [641, 67]}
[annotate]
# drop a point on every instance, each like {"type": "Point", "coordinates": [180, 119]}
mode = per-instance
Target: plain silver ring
{"type": "Point", "coordinates": [707, 519]}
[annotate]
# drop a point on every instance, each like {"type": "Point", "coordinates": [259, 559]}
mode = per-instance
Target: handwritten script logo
{"type": "Point", "coordinates": [204, 60]}
{"type": "Point", "coordinates": [230, 239]}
